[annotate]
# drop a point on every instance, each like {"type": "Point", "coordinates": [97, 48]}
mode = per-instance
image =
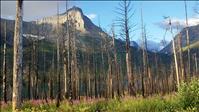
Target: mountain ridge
{"type": "Point", "coordinates": [193, 34]}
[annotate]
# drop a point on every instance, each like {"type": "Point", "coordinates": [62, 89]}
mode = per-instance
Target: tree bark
{"type": "Point", "coordinates": [18, 56]}
{"type": "Point", "coordinates": [176, 63]}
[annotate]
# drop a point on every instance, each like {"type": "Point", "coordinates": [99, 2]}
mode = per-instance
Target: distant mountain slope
{"type": "Point", "coordinates": [89, 35]}
{"type": "Point", "coordinates": [152, 45]}
{"type": "Point", "coordinates": [193, 34]}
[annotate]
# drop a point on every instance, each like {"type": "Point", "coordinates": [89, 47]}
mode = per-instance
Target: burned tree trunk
{"type": "Point", "coordinates": [58, 60]}
{"type": "Point", "coordinates": [188, 43]}
{"type": "Point", "coordinates": [183, 77]}
{"type": "Point", "coordinates": [4, 68]}
{"type": "Point", "coordinates": [175, 57]}
{"type": "Point", "coordinates": [115, 62]}
{"type": "Point", "coordinates": [124, 12]}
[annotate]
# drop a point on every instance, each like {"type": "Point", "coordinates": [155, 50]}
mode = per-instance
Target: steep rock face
{"type": "Point", "coordinates": [193, 35]}
{"type": "Point", "coordinates": [74, 13]}
{"type": "Point", "coordinates": [82, 22]}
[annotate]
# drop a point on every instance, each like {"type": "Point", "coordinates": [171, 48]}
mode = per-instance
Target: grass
{"type": "Point", "coordinates": [185, 100]}
{"type": "Point", "coordinates": [167, 103]}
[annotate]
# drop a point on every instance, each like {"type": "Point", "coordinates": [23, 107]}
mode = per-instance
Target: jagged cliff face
{"type": "Point", "coordinates": [74, 13]}
{"type": "Point", "coordinates": [82, 23]}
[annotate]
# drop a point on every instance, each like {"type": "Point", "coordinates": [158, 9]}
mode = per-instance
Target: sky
{"type": "Point", "coordinates": [103, 12]}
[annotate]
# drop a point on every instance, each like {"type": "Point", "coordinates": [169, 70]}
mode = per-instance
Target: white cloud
{"type": "Point", "coordinates": [179, 23]}
{"type": "Point", "coordinates": [32, 9]}
{"type": "Point", "coordinates": [91, 16]}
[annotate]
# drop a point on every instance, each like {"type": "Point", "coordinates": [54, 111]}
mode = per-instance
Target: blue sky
{"type": "Point", "coordinates": [153, 12]}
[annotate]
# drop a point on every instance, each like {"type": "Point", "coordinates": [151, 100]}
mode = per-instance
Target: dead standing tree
{"type": "Point", "coordinates": [65, 51]}
{"type": "Point", "coordinates": [4, 68]}
{"type": "Point", "coordinates": [187, 42]}
{"type": "Point", "coordinates": [124, 10]}
{"type": "Point", "coordinates": [74, 67]}
{"type": "Point", "coordinates": [175, 55]}
{"type": "Point", "coordinates": [182, 69]}
{"type": "Point", "coordinates": [144, 71]}
{"type": "Point", "coordinates": [58, 60]}
{"type": "Point", "coordinates": [115, 61]}
{"type": "Point", "coordinates": [18, 56]}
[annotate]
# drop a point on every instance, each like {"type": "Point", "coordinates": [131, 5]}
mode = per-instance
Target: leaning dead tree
{"type": "Point", "coordinates": [175, 55]}
{"type": "Point", "coordinates": [124, 11]}
{"type": "Point", "coordinates": [18, 56]}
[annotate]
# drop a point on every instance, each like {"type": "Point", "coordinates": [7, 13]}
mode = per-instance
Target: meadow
{"type": "Point", "coordinates": [185, 100]}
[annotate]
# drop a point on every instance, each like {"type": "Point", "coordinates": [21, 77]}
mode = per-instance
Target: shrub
{"type": "Point", "coordinates": [189, 95]}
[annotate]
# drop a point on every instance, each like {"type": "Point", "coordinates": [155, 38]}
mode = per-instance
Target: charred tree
{"type": "Point", "coordinates": [124, 21]}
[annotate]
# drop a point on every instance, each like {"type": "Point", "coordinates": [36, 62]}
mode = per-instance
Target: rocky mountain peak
{"type": "Point", "coordinates": [74, 13]}
{"type": "Point", "coordinates": [82, 22]}
{"type": "Point", "coordinates": [75, 8]}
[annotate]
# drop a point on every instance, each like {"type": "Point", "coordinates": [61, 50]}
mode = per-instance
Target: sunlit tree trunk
{"type": "Point", "coordinates": [175, 59]}
{"type": "Point", "coordinates": [18, 56]}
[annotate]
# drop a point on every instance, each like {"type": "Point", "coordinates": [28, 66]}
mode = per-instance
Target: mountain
{"type": "Point", "coordinates": [155, 46]}
{"type": "Point", "coordinates": [134, 44]}
{"type": "Point", "coordinates": [193, 35]}
{"type": "Point", "coordinates": [89, 35]}
{"type": "Point", "coordinates": [28, 27]}
{"type": "Point", "coordinates": [152, 45]}
{"type": "Point", "coordinates": [82, 23]}
{"type": "Point", "coordinates": [89, 40]}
